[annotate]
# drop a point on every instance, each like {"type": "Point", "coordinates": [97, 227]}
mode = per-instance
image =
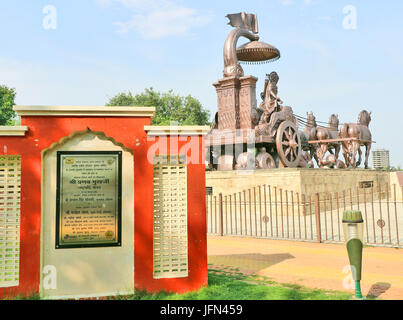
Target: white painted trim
{"type": "Point", "coordinates": [176, 130]}
{"type": "Point", "coordinates": [48, 187]}
{"type": "Point", "coordinates": [82, 111]}
{"type": "Point", "coordinates": [13, 130]}
{"type": "Point", "coordinates": [89, 295]}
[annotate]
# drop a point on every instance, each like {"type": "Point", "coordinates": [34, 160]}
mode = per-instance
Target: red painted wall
{"type": "Point", "coordinates": [43, 132]}
{"type": "Point", "coordinates": [197, 232]}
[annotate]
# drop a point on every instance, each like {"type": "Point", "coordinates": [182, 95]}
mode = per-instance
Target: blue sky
{"type": "Point", "coordinates": [102, 47]}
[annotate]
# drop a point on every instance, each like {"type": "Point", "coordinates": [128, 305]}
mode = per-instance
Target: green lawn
{"type": "Point", "coordinates": [230, 284]}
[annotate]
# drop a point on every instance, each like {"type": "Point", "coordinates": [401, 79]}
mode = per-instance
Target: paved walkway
{"type": "Point", "coordinates": [314, 265]}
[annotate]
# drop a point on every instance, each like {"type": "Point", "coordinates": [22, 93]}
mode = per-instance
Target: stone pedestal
{"type": "Point", "coordinates": [228, 103]}
{"type": "Point", "coordinates": [235, 99]}
{"type": "Point", "coordinates": [247, 101]}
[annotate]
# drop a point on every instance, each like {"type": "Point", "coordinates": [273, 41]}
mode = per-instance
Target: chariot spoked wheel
{"type": "Point", "coordinates": [288, 143]}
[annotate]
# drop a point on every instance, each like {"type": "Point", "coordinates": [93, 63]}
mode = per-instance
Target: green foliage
{"type": "Point", "coordinates": [170, 107]}
{"type": "Point", "coordinates": [7, 97]}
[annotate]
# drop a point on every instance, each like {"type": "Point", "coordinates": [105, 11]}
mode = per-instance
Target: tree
{"type": "Point", "coordinates": [7, 97]}
{"type": "Point", "coordinates": [170, 107]}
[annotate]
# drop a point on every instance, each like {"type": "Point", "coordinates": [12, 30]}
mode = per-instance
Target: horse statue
{"type": "Point", "coordinates": [360, 136]}
{"type": "Point", "coordinates": [305, 135]}
{"type": "Point", "coordinates": [310, 124]}
{"type": "Point", "coordinates": [322, 133]}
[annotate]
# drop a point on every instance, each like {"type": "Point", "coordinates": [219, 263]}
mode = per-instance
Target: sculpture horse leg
{"type": "Point", "coordinates": [355, 148]}
{"type": "Point", "coordinates": [367, 151]}
{"type": "Point", "coordinates": [322, 152]}
{"type": "Point", "coordinates": [337, 150]}
{"type": "Point", "coordinates": [359, 156]}
{"type": "Point", "coordinates": [312, 153]}
{"type": "Point", "coordinates": [346, 150]}
{"type": "Point", "coordinates": [346, 144]}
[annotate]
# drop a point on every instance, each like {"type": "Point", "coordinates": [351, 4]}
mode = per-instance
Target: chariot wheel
{"type": "Point", "coordinates": [288, 143]}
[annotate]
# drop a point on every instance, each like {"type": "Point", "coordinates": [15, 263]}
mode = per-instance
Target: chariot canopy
{"type": "Point", "coordinates": [255, 52]}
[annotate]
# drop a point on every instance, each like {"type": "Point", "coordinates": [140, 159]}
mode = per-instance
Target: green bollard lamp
{"type": "Point", "coordinates": [353, 227]}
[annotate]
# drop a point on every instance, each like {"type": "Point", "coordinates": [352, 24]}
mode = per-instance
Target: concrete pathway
{"type": "Point", "coordinates": [314, 265]}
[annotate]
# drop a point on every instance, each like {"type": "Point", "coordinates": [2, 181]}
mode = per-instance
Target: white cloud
{"type": "Point", "coordinates": [155, 19]}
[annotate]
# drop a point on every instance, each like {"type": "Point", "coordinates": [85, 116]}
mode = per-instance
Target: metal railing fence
{"type": "Point", "coordinates": [266, 211]}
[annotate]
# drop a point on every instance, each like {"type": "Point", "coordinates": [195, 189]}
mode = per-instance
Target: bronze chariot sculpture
{"type": "Point", "coordinates": [247, 136]}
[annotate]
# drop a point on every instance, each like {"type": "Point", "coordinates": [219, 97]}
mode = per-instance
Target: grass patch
{"type": "Point", "coordinates": [31, 296]}
{"type": "Point", "coordinates": [230, 284]}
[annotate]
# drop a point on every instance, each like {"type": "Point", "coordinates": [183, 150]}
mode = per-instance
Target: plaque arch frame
{"type": "Point", "coordinates": [88, 266]}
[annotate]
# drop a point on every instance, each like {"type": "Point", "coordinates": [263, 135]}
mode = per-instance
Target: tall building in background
{"type": "Point", "coordinates": [380, 159]}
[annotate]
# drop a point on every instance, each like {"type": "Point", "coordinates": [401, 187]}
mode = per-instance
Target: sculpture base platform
{"type": "Point", "coordinates": [303, 181]}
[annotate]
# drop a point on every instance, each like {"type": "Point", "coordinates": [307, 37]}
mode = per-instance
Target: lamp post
{"type": "Point", "coordinates": [353, 226]}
